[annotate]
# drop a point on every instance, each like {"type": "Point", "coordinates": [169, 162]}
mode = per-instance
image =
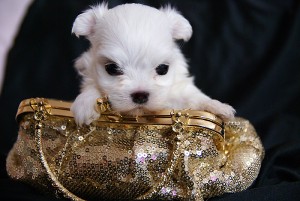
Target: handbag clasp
{"type": "Point", "coordinates": [41, 108]}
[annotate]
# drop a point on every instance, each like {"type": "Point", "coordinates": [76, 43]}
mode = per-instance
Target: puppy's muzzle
{"type": "Point", "coordinates": [140, 97]}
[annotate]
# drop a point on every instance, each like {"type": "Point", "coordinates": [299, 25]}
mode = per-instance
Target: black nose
{"type": "Point", "coordinates": [140, 97]}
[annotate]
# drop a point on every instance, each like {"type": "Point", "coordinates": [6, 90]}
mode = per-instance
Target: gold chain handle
{"type": "Point", "coordinates": [41, 111]}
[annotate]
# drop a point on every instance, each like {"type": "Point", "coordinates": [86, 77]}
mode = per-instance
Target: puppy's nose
{"type": "Point", "coordinates": [140, 97]}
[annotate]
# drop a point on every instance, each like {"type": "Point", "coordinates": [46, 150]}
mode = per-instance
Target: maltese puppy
{"type": "Point", "coordinates": [135, 62]}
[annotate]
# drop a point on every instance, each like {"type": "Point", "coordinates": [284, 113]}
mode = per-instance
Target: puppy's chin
{"type": "Point", "coordinates": [127, 107]}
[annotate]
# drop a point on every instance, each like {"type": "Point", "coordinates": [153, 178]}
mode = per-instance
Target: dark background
{"type": "Point", "coordinates": [244, 52]}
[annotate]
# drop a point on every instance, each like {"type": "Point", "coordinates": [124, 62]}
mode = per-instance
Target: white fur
{"type": "Point", "coordinates": [137, 38]}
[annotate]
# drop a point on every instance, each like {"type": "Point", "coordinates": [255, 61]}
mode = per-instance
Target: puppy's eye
{"type": "Point", "coordinates": [162, 69]}
{"type": "Point", "coordinates": [113, 69]}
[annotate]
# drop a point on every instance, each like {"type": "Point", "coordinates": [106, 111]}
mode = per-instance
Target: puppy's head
{"type": "Point", "coordinates": [133, 58]}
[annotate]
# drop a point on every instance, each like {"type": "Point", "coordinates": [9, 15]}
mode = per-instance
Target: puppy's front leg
{"type": "Point", "coordinates": [83, 108]}
{"type": "Point", "coordinates": [199, 101]}
{"type": "Point", "coordinates": [221, 109]}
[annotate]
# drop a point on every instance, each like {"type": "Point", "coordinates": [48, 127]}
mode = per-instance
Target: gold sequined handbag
{"type": "Point", "coordinates": [183, 155]}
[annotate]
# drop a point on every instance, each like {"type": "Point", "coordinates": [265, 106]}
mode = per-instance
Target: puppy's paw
{"type": "Point", "coordinates": [84, 111]}
{"type": "Point", "coordinates": [221, 109]}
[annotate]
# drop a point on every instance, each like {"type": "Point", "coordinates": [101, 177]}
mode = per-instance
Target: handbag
{"type": "Point", "coordinates": [168, 155]}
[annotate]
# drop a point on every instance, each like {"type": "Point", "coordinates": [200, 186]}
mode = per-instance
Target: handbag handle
{"type": "Point", "coordinates": [40, 107]}
{"type": "Point", "coordinates": [179, 122]}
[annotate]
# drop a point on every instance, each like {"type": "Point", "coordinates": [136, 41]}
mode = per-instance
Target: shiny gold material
{"type": "Point", "coordinates": [184, 155]}
{"type": "Point", "coordinates": [103, 105]}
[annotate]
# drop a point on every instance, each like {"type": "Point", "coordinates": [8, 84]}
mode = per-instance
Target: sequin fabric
{"type": "Point", "coordinates": [115, 161]}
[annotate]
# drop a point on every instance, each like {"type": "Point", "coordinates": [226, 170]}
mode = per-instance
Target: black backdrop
{"type": "Point", "coordinates": [244, 52]}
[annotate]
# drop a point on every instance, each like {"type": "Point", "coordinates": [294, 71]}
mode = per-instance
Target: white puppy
{"type": "Point", "coordinates": [135, 62]}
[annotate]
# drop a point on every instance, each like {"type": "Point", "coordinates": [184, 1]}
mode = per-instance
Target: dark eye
{"type": "Point", "coordinates": [113, 69]}
{"type": "Point", "coordinates": [162, 69]}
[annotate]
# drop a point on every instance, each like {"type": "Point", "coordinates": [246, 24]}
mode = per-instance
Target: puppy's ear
{"type": "Point", "coordinates": [83, 63]}
{"type": "Point", "coordinates": [84, 23]}
{"type": "Point", "coordinates": [181, 28]}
